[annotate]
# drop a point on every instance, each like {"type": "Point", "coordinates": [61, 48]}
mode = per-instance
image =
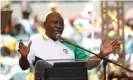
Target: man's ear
{"type": "Point", "coordinates": [44, 24]}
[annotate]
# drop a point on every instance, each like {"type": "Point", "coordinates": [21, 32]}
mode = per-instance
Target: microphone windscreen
{"type": "Point", "coordinates": [58, 36]}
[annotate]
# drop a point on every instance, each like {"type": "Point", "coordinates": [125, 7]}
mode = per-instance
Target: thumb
{"type": "Point", "coordinates": [29, 44]}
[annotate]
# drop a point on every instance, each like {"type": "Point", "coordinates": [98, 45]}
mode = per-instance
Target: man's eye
{"type": "Point", "coordinates": [54, 22]}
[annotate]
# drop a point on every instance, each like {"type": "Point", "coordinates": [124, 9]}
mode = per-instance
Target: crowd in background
{"type": "Point", "coordinates": [84, 28]}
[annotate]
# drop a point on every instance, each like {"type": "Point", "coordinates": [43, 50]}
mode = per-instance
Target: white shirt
{"type": "Point", "coordinates": [47, 49]}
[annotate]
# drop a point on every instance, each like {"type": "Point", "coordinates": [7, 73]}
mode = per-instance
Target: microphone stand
{"type": "Point", "coordinates": [106, 60]}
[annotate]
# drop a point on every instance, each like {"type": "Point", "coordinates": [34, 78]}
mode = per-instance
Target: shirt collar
{"type": "Point", "coordinates": [45, 37]}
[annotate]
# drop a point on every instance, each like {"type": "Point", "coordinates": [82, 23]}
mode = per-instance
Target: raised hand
{"type": "Point", "coordinates": [108, 46]}
{"type": "Point", "coordinates": [24, 50]}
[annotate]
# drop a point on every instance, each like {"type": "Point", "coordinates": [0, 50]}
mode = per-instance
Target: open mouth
{"type": "Point", "coordinates": [57, 32]}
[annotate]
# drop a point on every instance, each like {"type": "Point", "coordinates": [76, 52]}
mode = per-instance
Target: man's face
{"type": "Point", "coordinates": [54, 26]}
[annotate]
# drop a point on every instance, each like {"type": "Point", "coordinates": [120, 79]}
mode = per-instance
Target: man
{"type": "Point", "coordinates": [47, 46]}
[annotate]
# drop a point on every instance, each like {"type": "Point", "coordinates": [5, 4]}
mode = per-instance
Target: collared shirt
{"type": "Point", "coordinates": [45, 48]}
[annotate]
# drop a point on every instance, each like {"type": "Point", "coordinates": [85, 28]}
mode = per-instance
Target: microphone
{"type": "Point", "coordinates": [61, 39]}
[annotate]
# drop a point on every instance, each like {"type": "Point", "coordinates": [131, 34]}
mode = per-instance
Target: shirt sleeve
{"type": "Point", "coordinates": [81, 54]}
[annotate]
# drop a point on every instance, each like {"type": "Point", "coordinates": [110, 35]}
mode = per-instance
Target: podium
{"type": "Point", "coordinates": [67, 70]}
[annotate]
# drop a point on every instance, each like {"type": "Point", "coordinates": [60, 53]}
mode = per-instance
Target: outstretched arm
{"type": "Point", "coordinates": [24, 50]}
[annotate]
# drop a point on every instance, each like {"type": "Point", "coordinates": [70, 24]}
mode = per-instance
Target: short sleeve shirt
{"type": "Point", "coordinates": [47, 49]}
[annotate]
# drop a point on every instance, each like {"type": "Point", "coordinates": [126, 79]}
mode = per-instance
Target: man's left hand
{"type": "Point", "coordinates": [108, 46]}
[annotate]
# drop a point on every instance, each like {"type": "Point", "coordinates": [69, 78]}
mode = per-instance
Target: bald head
{"type": "Point", "coordinates": [50, 15]}
{"type": "Point", "coordinates": [54, 25]}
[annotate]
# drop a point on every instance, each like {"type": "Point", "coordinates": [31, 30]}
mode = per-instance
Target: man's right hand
{"type": "Point", "coordinates": [24, 50]}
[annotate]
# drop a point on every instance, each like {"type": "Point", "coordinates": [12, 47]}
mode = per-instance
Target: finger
{"type": "Point", "coordinates": [20, 51]}
{"type": "Point", "coordinates": [29, 44]}
{"type": "Point", "coordinates": [21, 46]}
{"type": "Point", "coordinates": [114, 47]}
{"type": "Point", "coordinates": [116, 39]}
{"type": "Point", "coordinates": [114, 42]}
{"type": "Point", "coordinates": [21, 42]}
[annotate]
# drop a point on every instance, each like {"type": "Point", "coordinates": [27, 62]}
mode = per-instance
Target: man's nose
{"type": "Point", "coordinates": [58, 25]}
